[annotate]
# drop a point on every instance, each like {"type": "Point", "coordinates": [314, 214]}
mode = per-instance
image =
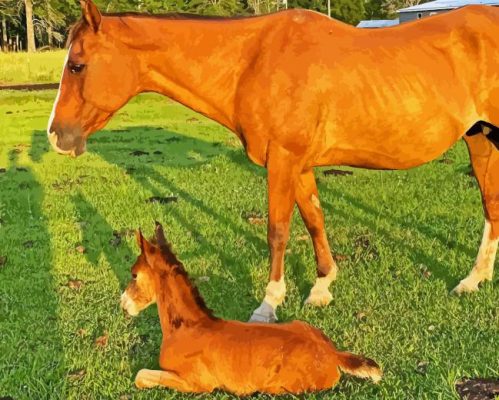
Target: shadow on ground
{"type": "Point", "coordinates": [139, 150]}
{"type": "Point", "coordinates": [30, 345]}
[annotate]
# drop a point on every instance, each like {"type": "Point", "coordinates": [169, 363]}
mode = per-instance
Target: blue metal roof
{"type": "Point", "coordinates": [447, 5]}
{"type": "Point", "coordinates": [378, 23]}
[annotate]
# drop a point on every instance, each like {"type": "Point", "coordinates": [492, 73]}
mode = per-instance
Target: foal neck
{"type": "Point", "coordinates": [179, 303]}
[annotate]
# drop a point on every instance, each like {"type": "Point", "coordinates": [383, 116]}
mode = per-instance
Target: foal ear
{"type": "Point", "coordinates": [140, 239]}
{"type": "Point", "coordinates": [171, 258]}
{"type": "Point", "coordinates": [91, 14]}
{"type": "Point", "coordinates": [160, 236]}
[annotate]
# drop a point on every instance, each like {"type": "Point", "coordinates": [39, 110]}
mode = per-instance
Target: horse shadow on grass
{"type": "Point", "coordinates": [178, 149]}
{"type": "Point", "coordinates": [419, 258]}
{"type": "Point", "coordinates": [31, 353]}
{"type": "Point", "coordinates": [138, 152]}
{"type": "Point", "coordinates": [100, 240]}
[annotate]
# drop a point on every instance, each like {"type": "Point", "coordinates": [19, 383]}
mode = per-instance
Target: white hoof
{"type": "Point", "coordinates": [467, 285]}
{"type": "Point", "coordinates": [264, 313]}
{"type": "Point", "coordinates": [319, 294]}
{"type": "Point", "coordinates": [319, 298]}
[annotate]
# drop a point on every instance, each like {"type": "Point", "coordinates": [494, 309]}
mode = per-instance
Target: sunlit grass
{"type": "Point", "coordinates": [41, 67]}
{"type": "Point", "coordinates": [406, 239]}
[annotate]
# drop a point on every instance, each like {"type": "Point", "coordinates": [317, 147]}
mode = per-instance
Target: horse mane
{"type": "Point", "coordinates": [178, 268]}
{"type": "Point", "coordinates": [178, 15]}
{"type": "Point", "coordinates": [80, 24]}
{"type": "Point", "coordinates": [74, 30]}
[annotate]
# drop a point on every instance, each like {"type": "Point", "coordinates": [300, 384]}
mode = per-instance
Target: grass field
{"type": "Point", "coordinates": [406, 238]}
{"type": "Point", "coordinates": [44, 67]}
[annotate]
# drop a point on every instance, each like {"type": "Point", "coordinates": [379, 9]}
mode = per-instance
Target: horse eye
{"type": "Point", "coordinates": [134, 276]}
{"type": "Point", "coordinates": [76, 68]}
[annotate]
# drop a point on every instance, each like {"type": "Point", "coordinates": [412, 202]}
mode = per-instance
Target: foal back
{"type": "Point", "coordinates": [244, 358]}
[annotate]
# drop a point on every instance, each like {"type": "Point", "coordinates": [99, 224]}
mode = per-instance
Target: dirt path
{"type": "Point", "coordinates": [30, 86]}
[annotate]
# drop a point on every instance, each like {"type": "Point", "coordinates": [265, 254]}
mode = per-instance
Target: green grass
{"type": "Point", "coordinates": [43, 67]}
{"type": "Point", "coordinates": [408, 238]}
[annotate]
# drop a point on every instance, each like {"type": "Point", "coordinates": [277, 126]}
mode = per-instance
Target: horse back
{"type": "Point", "coordinates": [337, 90]}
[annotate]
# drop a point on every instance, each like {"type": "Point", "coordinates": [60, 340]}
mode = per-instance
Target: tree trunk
{"type": "Point", "coordinates": [4, 35]}
{"type": "Point", "coordinates": [30, 32]}
{"type": "Point", "coordinates": [49, 34]}
{"type": "Point", "coordinates": [49, 25]}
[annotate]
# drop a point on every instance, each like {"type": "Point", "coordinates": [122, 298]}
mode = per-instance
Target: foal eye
{"type": "Point", "coordinates": [134, 276]}
{"type": "Point", "coordinates": [76, 68]}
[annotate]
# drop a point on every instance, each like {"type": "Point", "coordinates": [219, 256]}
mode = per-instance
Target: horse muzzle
{"type": "Point", "coordinates": [74, 147]}
{"type": "Point", "coordinates": [128, 305]}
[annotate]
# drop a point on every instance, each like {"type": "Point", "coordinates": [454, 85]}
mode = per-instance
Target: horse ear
{"type": "Point", "coordinates": [140, 239]}
{"type": "Point", "coordinates": [160, 236]}
{"type": "Point", "coordinates": [91, 14]}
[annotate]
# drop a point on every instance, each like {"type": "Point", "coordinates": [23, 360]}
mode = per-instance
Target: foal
{"type": "Point", "coordinates": [200, 353]}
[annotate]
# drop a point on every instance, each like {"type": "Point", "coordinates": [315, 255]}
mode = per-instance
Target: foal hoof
{"type": "Point", "coordinates": [146, 378]}
{"type": "Point", "coordinates": [467, 285]}
{"type": "Point", "coordinates": [319, 298]}
{"type": "Point", "coordinates": [264, 313]}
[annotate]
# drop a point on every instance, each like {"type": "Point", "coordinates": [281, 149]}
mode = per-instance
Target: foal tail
{"type": "Point", "coordinates": [359, 366]}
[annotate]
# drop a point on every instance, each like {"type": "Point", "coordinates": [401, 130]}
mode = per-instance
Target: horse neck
{"type": "Point", "coordinates": [196, 62]}
{"type": "Point", "coordinates": [179, 304]}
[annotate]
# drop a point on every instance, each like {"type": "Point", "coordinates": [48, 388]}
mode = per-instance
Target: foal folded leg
{"type": "Point", "coordinates": [148, 378]}
{"type": "Point", "coordinates": [307, 198]}
{"type": "Point", "coordinates": [485, 160]}
{"type": "Point", "coordinates": [282, 174]}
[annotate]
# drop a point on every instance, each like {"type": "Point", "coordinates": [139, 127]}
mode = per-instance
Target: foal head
{"type": "Point", "coordinates": [99, 76]}
{"type": "Point", "coordinates": [141, 292]}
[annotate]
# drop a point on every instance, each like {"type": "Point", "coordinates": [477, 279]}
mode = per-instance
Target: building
{"type": "Point", "coordinates": [437, 7]}
{"type": "Point", "coordinates": [424, 10]}
{"type": "Point", "coordinates": [378, 23]}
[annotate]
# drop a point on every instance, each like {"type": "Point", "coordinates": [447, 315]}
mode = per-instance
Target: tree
{"type": "Point", "coordinates": [349, 11]}
{"type": "Point", "coordinates": [374, 10]}
{"type": "Point", "coordinates": [162, 6]}
{"type": "Point", "coordinates": [215, 7]}
{"type": "Point", "coordinates": [390, 7]}
{"type": "Point", "coordinates": [30, 30]}
{"type": "Point", "coordinates": [8, 15]}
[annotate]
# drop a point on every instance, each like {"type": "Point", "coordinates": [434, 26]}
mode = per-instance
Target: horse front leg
{"type": "Point", "coordinates": [307, 198]}
{"type": "Point", "coordinates": [282, 175]}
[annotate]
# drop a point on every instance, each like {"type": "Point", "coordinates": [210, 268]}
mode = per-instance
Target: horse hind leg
{"type": "Point", "coordinates": [484, 154]}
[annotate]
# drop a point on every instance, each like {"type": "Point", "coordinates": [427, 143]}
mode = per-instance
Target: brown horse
{"type": "Point", "coordinates": [201, 353]}
{"type": "Point", "coordinates": [301, 90]}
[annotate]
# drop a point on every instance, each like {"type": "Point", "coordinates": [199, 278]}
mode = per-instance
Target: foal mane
{"type": "Point", "coordinates": [177, 268]}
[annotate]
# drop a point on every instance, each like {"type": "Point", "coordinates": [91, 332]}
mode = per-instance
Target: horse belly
{"type": "Point", "coordinates": [403, 143]}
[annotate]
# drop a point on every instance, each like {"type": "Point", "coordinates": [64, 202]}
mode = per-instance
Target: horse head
{"type": "Point", "coordinates": [98, 78]}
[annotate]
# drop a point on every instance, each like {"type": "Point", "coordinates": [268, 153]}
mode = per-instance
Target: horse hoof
{"type": "Point", "coordinates": [269, 319]}
{"type": "Point", "coordinates": [264, 313]}
{"type": "Point", "coordinates": [319, 298]}
{"type": "Point", "coordinates": [466, 286]}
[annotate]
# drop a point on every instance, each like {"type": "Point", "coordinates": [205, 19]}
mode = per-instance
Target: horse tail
{"type": "Point", "coordinates": [359, 366]}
